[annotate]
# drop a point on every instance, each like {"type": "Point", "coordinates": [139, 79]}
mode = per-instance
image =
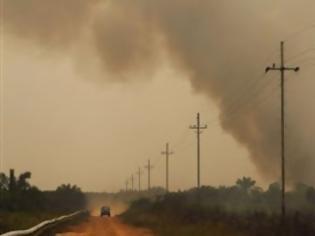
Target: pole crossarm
{"type": "Point", "coordinates": [149, 167]}
{"type": "Point", "coordinates": [198, 129]}
{"type": "Point", "coordinates": [296, 69]}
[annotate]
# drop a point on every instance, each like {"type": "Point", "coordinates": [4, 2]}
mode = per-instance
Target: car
{"type": "Point", "coordinates": [105, 211]}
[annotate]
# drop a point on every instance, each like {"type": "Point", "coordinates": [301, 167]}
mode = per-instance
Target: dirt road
{"type": "Point", "coordinates": [97, 226]}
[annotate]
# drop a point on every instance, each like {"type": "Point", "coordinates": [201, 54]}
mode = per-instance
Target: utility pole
{"type": "Point", "coordinates": [149, 167]}
{"type": "Point", "coordinates": [127, 184]}
{"type": "Point", "coordinates": [139, 178]}
{"type": "Point", "coordinates": [167, 153]}
{"type": "Point", "coordinates": [132, 186]}
{"type": "Point", "coordinates": [198, 129]}
{"type": "Point", "coordinates": [282, 68]}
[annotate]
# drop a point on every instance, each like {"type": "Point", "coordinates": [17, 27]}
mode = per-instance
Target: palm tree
{"type": "Point", "coordinates": [22, 183]}
{"type": "Point", "coordinates": [245, 183]}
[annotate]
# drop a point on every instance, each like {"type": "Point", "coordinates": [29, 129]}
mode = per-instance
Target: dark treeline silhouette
{"type": "Point", "coordinates": [242, 209]}
{"type": "Point", "coordinates": [17, 194]}
{"type": "Point", "coordinates": [22, 202]}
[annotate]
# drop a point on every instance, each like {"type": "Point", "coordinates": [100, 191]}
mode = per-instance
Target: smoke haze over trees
{"type": "Point", "coordinates": [242, 209]}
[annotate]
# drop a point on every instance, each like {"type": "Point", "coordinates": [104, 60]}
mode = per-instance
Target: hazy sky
{"type": "Point", "coordinates": [68, 121]}
{"type": "Point", "coordinates": [65, 128]}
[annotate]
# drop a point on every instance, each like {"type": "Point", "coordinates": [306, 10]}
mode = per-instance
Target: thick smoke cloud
{"type": "Point", "coordinates": [50, 23]}
{"type": "Point", "coordinates": [221, 44]}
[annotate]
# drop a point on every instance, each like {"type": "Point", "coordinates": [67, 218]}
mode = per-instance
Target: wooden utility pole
{"type": "Point", "coordinates": [282, 68]}
{"type": "Point", "coordinates": [167, 153]}
{"type": "Point", "coordinates": [132, 183]}
{"type": "Point", "coordinates": [149, 167]}
{"type": "Point", "coordinates": [127, 184]}
{"type": "Point", "coordinates": [198, 129]}
{"type": "Point", "coordinates": [139, 179]}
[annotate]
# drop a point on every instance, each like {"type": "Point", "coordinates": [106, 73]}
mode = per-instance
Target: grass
{"type": "Point", "coordinates": [168, 218]}
{"type": "Point", "coordinates": [10, 221]}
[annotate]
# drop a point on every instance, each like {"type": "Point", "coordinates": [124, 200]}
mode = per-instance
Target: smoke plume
{"type": "Point", "coordinates": [222, 45]}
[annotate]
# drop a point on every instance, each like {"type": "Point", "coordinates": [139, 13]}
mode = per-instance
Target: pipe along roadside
{"type": "Point", "coordinates": [51, 227]}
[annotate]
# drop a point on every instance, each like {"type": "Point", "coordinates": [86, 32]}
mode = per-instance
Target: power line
{"type": "Point", "coordinates": [282, 69]}
{"type": "Point", "coordinates": [132, 183]}
{"type": "Point", "coordinates": [149, 167]}
{"type": "Point", "coordinates": [139, 178]}
{"type": "Point", "coordinates": [231, 112]}
{"type": "Point", "coordinates": [244, 100]}
{"type": "Point", "coordinates": [295, 34]}
{"type": "Point", "coordinates": [262, 99]}
{"type": "Point", "coordinates": [126, 185]}
{"type": "Point", "coordinates": [299, 54]}
{"type": "Point", "coordinates": [198, 129]}
{"type": "Point", "coordinates": [247, 98]}
{"type": "Point", "coordinates": [167, 153]}
{"type": "Point", "coordinates": [248, 83]}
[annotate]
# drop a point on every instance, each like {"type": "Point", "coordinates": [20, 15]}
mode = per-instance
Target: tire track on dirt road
{"type": "Point", "coordinates": [98, 226]}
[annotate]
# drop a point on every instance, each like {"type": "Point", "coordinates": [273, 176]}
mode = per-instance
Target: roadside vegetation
{"type": "Point", "coordinates": [23, 205]}
{"type": "Point", "coordinates": [241, 210]}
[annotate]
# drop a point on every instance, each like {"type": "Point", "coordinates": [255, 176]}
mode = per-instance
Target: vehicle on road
{"type": "Point", "coordinates": [105, 211]}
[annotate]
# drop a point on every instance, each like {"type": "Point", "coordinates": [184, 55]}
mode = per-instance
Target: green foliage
{"type": "Point", "coordinates": [19, 195]}
{"type": "Point", "coordinates": [67, 198]}
{"type": "Point", "coordinates": [18, 220]}
{"type": "Point", "coordinates": [245, 183]}
{"type": "Point", "coordinates": [23, 205]}
{"type": "Point", "coordinates": [310, 195]}
{"type": "Point", "coordinates": [22, 183]}
{"type": "Point", "coordinates": [244, 209]}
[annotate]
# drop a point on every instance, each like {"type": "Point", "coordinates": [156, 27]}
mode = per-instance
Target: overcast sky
{"type": "Point", "coordinates": [68, 129]}
{"type": "Point", "coordinates": [68, 121]}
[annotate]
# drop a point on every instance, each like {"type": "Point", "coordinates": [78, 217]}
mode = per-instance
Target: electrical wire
{"type": "Point", "coordinates": [251, 94]}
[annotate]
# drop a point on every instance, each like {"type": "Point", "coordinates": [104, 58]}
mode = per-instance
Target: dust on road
{"type": "Point", "coordinates": [100, 226]}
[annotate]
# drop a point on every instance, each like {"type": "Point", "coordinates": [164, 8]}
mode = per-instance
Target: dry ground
{"type": "Point", "coordinates": [103, 226]}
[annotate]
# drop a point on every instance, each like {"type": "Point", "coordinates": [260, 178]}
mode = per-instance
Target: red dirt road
{"type": "Point", "coordinates": [97, 226]}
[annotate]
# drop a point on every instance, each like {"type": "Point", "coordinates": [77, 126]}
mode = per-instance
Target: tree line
{"type": "Point", "coordinates": [244, 196]}
{"type": "Point", "coordinates": [242, 209]}
{"type": "Point", "coordinates": [18, 195]}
